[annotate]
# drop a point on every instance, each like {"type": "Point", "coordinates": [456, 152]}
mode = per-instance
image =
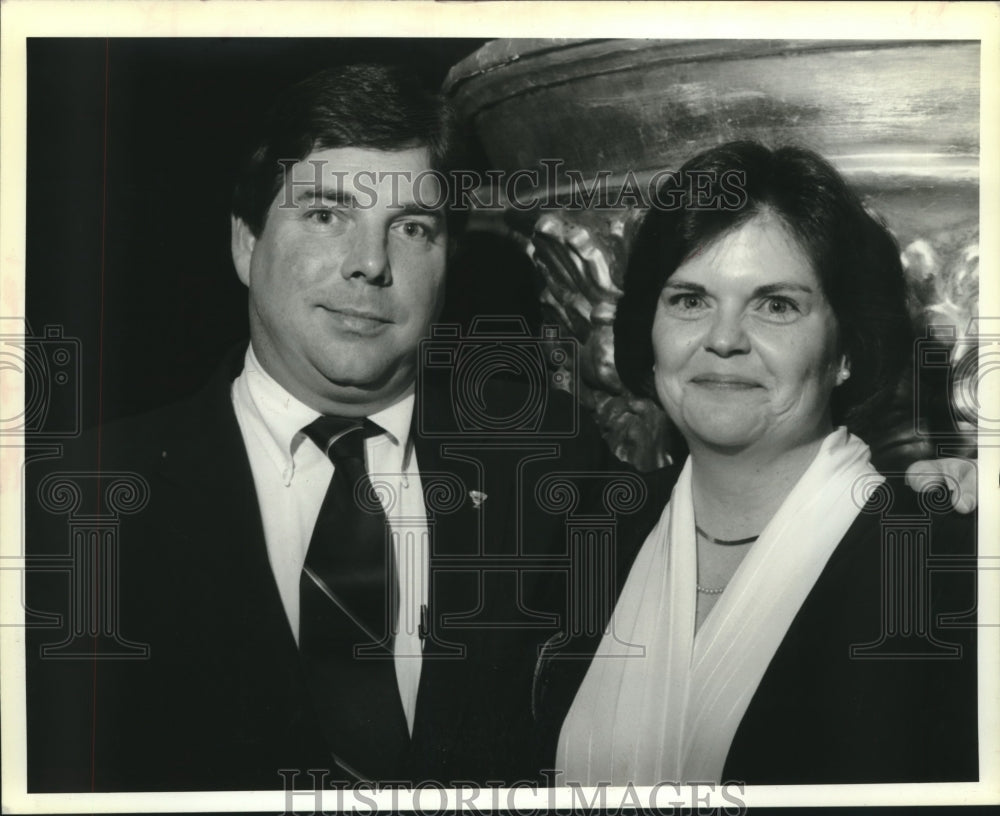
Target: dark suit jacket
{"type": "Point", "coordinates": [219, 702]}
{"type": "Point", "coordinates": [901, 709]}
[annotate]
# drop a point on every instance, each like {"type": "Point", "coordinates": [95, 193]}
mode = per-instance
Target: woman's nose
{"type": "Point", "coordinates": [726, 335]}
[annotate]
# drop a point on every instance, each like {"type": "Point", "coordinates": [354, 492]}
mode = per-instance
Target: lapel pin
{"type": "Point", "coordinates": [477, 498]}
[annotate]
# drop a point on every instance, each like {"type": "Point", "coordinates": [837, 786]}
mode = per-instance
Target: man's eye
{"type": "Point", "coordinates": [320, 215]}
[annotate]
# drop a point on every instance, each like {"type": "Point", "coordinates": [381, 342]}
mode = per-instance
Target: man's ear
{"type": "Point", "coordinates": [242, 242]}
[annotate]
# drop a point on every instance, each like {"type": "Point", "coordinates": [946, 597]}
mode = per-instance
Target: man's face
{"type": "Point", "coordinates": [346, 276]}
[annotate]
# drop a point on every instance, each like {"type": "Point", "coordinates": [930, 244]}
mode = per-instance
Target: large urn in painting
{"type": "Point", "coordinates": [899, 119]}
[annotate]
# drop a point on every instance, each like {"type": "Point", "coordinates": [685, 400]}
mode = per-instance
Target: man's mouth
{"type": "Point", "coordinates": [358, 321]}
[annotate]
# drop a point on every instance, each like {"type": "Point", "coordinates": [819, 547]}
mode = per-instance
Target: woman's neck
{"type": "Point", "coordinates": [736, 494]}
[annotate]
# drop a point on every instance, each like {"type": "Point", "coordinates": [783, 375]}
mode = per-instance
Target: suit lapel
{"type": "Point", "coordinates": [205, 469]}
{"type": "Point", "coordinates": [455, 493]}
{"type": "Point", "coordinates": [454, 485]}
{"type": "Point", "coordinates": [224, 611]}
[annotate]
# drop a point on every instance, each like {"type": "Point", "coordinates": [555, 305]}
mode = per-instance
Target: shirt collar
{"type": "Point", "coordinates": [283, 416]}
{"type": "Point", "coordinates": [396, 420]}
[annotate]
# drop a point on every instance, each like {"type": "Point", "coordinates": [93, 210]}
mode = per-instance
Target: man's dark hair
{"type": "Point", "coordinates": [856, 259]}
{"type": "Point", "coordinates": [373, 106]}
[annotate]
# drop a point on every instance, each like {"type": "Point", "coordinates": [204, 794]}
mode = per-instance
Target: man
{"type": "Point", "coordinates": [253, 619]}
{"type": "Point", "coordinates": [340, 233]}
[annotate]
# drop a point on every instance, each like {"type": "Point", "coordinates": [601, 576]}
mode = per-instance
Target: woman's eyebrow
{"type": "Point", "coordinates": [684, 285]}
{"type": "Point", "coordinates": [760, 291]}
{"type": "Point", "coordinates": [772, 288]}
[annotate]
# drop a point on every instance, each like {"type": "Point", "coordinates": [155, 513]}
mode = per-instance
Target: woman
{"type": "Point", "coordinates": [748, 639]}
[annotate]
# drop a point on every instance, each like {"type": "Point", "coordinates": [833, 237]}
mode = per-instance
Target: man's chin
{"type": "Point", "coordinates": [374, 384]}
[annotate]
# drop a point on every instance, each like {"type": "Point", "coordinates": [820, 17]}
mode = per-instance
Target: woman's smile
{"type": "Point", "coordinates": [725, 382]}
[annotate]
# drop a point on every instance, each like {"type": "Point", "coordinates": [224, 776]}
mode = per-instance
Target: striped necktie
{"type": "Point", "coordinates": [348, 608]}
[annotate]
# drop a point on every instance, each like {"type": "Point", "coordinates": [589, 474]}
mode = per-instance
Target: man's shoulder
{"type": "Point", "coordinates": [462, 402]}
{"type": "Point", "coordinates": [512, 413]}
{"type": "Point", "coordinates": [136, 440]}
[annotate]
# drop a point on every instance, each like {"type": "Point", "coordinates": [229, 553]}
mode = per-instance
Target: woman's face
{"type": "Point", "coordinates": [746, 344]}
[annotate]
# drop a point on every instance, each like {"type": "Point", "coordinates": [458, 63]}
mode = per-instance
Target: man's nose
{"type": "Point", "coordinates": [369, 255]}
{"type": "Point", "coordinates": [727, 335]}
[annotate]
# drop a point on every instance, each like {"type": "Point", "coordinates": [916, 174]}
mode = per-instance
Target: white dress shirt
{"type": "Point", "coordinates": [292, 475]}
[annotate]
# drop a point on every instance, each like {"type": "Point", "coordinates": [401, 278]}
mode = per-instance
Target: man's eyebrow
{"type": "Point", "coordinates": [326, 194]}
{"type": "Point", "coordinates": [349, 200]}
{"type": "Point", "coordinates": [413, 208]}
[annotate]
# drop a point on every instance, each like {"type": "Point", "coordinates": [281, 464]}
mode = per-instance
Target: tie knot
{"type": "Point", "coordinates": [342, 438]}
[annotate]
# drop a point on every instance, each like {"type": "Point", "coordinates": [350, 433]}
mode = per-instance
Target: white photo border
{"type": "Point", "coordinates": [22, 19]}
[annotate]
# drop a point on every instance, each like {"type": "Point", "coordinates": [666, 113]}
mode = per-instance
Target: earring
{"type": "Point", "coordinates": [842, 375]}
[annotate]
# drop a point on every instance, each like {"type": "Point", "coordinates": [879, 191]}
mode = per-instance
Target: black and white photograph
{"type": "Point", "coordinates": [509, 406]}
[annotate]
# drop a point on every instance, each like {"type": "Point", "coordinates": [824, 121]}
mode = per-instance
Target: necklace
{"type": "Point", "coordinates": [727, 543]}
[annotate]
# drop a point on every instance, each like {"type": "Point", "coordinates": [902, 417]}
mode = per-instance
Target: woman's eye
{"type": "Point", "coordinates": [780, 308]}
{"type": "Point", "coordinates": [685, 302]}
{"type": "Point", "coordinates": [414, 229]}
{"type": "Point", "coordinates": [685, 305]}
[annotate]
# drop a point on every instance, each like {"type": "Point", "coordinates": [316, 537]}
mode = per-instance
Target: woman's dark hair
{"type": "Point", "coordinates": [855, 258]}
{"type": "Point", "coordinates": [374, 106]}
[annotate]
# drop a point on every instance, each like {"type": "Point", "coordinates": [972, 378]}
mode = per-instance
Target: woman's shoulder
{"type": "Point", "coordinates": [894, 506]}
{"type": "Point", "coordinates": [904, 545]}
{"type": "Point", "coordinates": [657, 486]}
{"type": "Point", "coordinates": [660, 482]}
{"type": "Point", "coordinates": [880, 659]}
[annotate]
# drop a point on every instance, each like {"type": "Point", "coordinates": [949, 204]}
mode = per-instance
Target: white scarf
{"type": "Point", "coordinates": [670, 715]}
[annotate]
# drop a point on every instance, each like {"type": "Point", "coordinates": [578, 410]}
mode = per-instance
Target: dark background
{"type": "Point", "coordinates": [133, 147]}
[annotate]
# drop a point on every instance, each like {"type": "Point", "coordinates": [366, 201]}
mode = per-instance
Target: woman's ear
{"type": "Point", "coordinates": [242, 242]}
{"type": "Point", "coordinates": [844, 372]}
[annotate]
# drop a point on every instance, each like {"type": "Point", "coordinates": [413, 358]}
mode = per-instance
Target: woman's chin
{"type": "Point", "coordinates": [734, 431]}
